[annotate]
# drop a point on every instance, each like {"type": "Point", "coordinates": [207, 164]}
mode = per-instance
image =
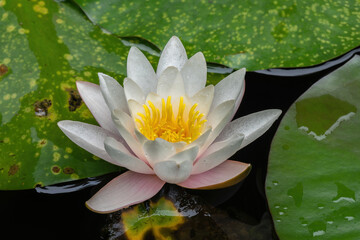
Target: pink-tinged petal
{"type": "Point", "coordinates": [133, 91]}
{"type": "Point", "coordinates": [124, 158]}
{"type": "Point", "coordinates": [194, 74]}
{"type": "Point", "coordinates": [217, 153]}
{"type": "Point", "coordinates": [125, 190]}
{"type": "Point", "coordinates": [229, 88]}
{"type": "Point", "coordinates": [126, 127]}
{"type": "Point", "coordinates": [113, 93]}
{"type": "Point", "coordinates": [94, 100]}
{"type": "Point", "coordinates": [252, 126]}
{"type": "Point", "coordinates": [87, 136]}
{"type": "Point", "coordinates": [218, 119]}
{"type": "Point", "coordinates": [174, 54]}
{"type": "Point", "coordinates": [225, 175]}
{"type": "Point", "coordinates": [158, 150]}
{"type": "Point", "coordinates": [140, 70]}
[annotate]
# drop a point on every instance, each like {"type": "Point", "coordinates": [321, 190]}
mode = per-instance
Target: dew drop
{"type": "Point", "coordinates": [349, 218]}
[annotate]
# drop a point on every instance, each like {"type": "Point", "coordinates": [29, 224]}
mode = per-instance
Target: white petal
{"type": "Point", "coordinates": [87, 136]}
{"type": "Point", "coordinates": [140, 137]}
{"type": "Point", "coordinates": [126, 126]}
{"type": "Point", "coordinates": [166, 81]}
{"type": "Point", "coordinates": [218, 119]}
{"type": "Point", "coordinates": [239, 99]}
{"type": "Point", "coordinates": [229, 88]}
{"type": "Point", "coordinates": [158, 150]}
{"type": "Point", "coordinates": [123, 191]}
{"type": "Point", "coordinates": [194, 74]}
{"type": "Point", "coordinates": [135, 108]}
{"type": "Point", "coordinates": [174, 54]}
{"type": "Point", "coordinates": [200, 141]}
{"type": "Point", "coordinates": [252, 126]}
{"type": "Point", "coordinates": [94, 100]}
{"type": "Point", "coordinates": [155, 99]}
{"type": "Point", "coordinates": [178, 167]}
{"type": "Point", "coordinates": [140, 71]}
{"type": "Point", "coordinates": [113, 93]}
{"type": "Point", "coordinates": [217, 153]}
{"type": "Point", "coordinates": [173, 172]}
{"type": "Point", "coordinates": [133, 91]}
{"type": "Point", "coordinates": [124, 158]}
{"type": "Point", "coordinates": [187, 155]}
{"type": "Point", "coordinates": [204, 99]}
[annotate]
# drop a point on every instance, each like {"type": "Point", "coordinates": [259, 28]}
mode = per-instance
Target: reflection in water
{"type": "Point", "coordinates": [176, 214]}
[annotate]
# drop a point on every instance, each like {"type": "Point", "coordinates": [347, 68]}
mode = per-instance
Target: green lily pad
{"type": "Point", "coordinates": [313, 183]}
{"type": "Point", "coordinates": [256, 34]}
{"type": "Point", "coordinates": [46, 46]}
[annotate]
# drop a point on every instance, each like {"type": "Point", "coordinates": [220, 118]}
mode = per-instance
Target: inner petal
{"type": "Point", "coordinates": [174, 124]}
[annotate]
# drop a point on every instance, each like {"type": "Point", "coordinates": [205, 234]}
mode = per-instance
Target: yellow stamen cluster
{"type": "Point", "coordinates": [161, 123]}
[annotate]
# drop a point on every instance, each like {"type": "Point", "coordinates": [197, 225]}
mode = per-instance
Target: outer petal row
{"type": "Point", "coordinates": [89, 137]}
{"type": "Point", "coordinates": [225, 175]}
{"type": "Point", "coordinates": [94, 100]}
{"type": "Point", "coordinates": [131, 188]}
{"type": "Point", "coordinates": [127, 189]}
{"type": "Point", "coordinates": [252, 126]}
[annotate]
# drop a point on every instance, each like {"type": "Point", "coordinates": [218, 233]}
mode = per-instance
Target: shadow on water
{"type": "Point", "coordinates": [58, 211]}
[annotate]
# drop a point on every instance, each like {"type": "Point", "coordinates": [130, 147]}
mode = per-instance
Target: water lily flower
{"type": "Point", "coordinates": [166, 127]}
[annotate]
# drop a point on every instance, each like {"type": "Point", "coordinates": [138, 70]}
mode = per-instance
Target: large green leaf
{"type": "Point", "coordinates": [45, 47]}
{"type": "Point", "coordinates": [255, 34]}
{"type": "Point", "coordinates": [313, 182]}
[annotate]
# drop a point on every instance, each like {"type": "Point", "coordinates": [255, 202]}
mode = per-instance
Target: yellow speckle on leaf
{"type": "Point", "coordinates": [56, 156]}
{"type": "Point", "coordinates": [68, 150]}
{"type": "Point", "coordinates": [6, 140]}
{"type": "Point", "coordinates": [74, 176]}
{"type": "Point", "coordinates": [68, 57]}
{"type": "Point", "coordinates": [6, 97]}
{"type": "Point", "coordinates": [59, 21]}
{"type": "Point", "coordinates": [4, 16]}
{"type": "Point", "coordinates": [23, 31]}
{"type": "Point", "coordinates": [32, 83]}
{"type": "Point", "coordinates": [87, 74]}
{"type": "Point", "coordinates": [40, 8]}
{"type": "Point", "coordinates": [10, 28]}
{"type": "Point", "coordinates": [7, 61]}
{"type": "Point", "coordinates": [2, 3]}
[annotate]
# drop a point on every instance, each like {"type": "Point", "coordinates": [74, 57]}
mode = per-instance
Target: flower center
{"type": "Point", "coordinates": [162, 123]}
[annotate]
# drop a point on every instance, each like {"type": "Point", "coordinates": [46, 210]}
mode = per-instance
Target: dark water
{"type": "Point", "coordinates": [58, 212]}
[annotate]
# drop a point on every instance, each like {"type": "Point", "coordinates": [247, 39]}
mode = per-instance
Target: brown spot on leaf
{"type": "Point", "coordinates": [39, 184]}
{"type": "Point", "coordinates": [3, 69]}
{"type": "Point", "coordinates": [68, 170]}
{"type": "Point", "coordinates": [56, 169]}
{"type": "Point", "coordinates": [41, 107]}
{"type": "Point", "coordinates": [13, 169]}
{"type": "Point", "coordinates": [75, 100]}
